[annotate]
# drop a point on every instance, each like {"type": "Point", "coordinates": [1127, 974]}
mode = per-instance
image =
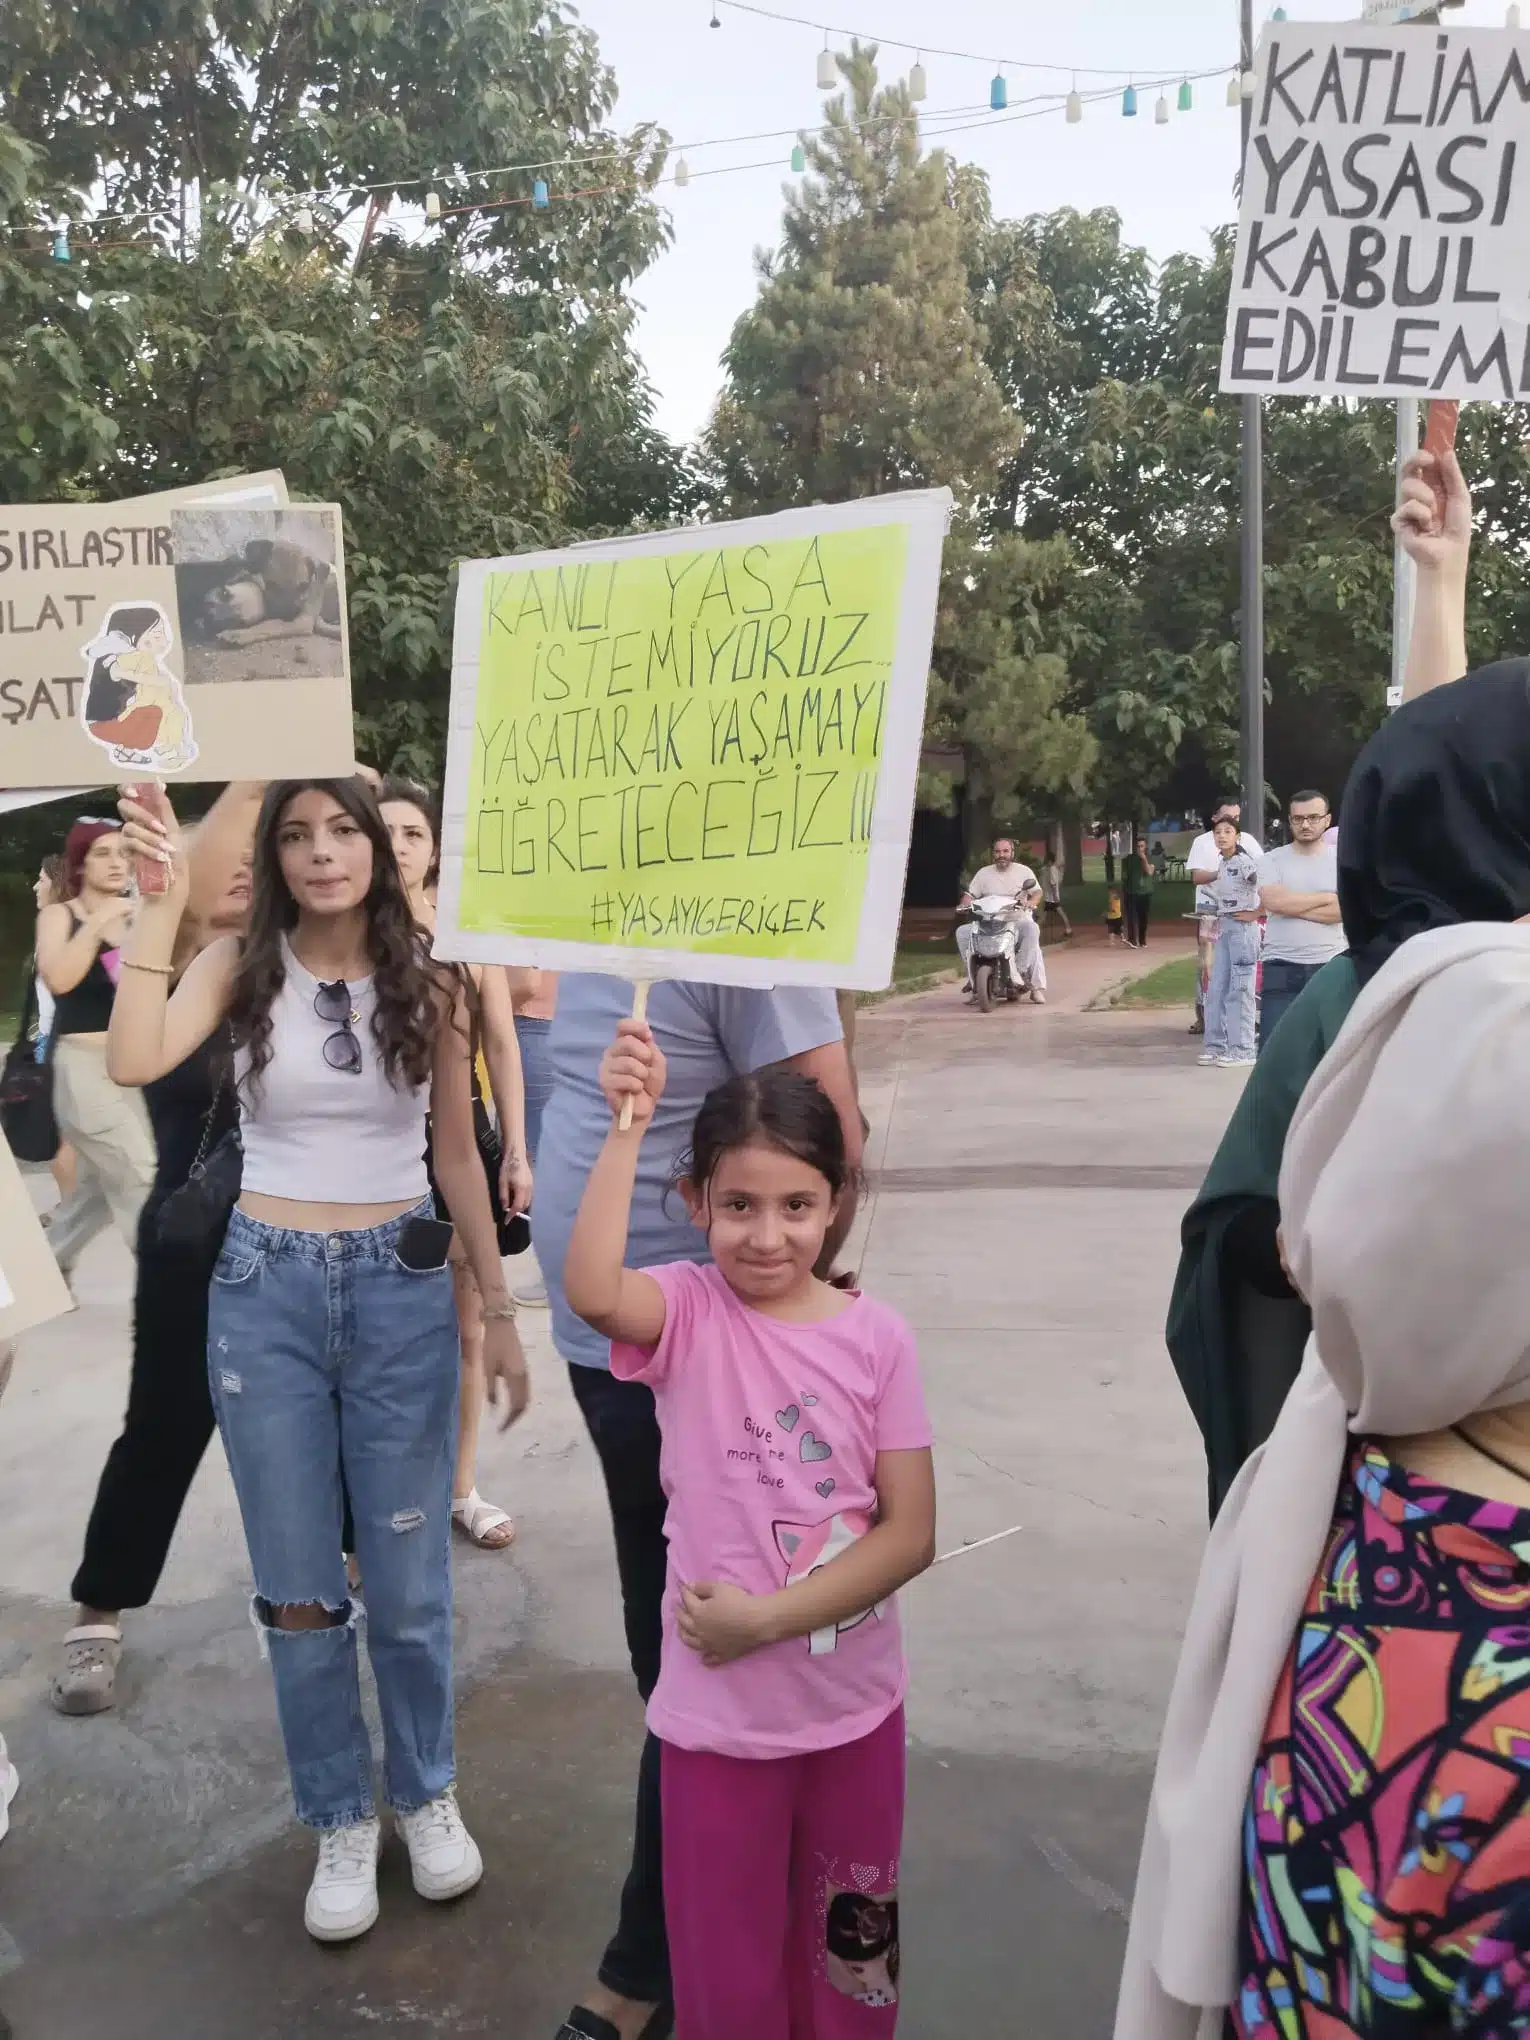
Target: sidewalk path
{"type": "Point", "coordinates": [1029, 1169]}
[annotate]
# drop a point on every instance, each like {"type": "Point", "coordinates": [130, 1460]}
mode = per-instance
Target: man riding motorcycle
{"type": "Point", "coordinates": [1010, 880]}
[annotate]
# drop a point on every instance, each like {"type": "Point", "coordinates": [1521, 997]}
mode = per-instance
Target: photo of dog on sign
{"type": "Point", "coordinates": [261, 593]}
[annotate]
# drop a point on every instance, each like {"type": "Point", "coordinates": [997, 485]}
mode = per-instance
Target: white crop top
{"type": "Point", "coordinates": [320, 1134]}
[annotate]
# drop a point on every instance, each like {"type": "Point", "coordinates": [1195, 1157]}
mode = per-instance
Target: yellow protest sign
{"type": "Point", "coordinates": [693, 754]}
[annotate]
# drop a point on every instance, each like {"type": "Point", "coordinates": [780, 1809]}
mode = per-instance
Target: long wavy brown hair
{"type": "Point", "coordinates": [409, 988]}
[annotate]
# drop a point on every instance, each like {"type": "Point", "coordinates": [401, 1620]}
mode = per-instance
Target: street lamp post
{"type": "Point", "coordinates": [1251, 564]}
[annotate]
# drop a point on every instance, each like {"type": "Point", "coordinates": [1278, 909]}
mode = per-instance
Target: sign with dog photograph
{"type": "Point", "coordinates": [693, 754]}
{"type": "Point", "coordinates": [196, 635]}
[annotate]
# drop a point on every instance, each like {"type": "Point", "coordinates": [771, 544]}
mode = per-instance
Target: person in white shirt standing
{"type": "Point", "coordinates": [1299, 891]}
{"type": "Point", "coordinates": [1231, 997]}
{"type": "Point", "coordinates": [1013, 881]}
{"type": "Point", "coordinates": [1204, 865]}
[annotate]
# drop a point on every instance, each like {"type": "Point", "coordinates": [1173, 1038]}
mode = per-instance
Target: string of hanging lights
{"type": "Point", "coordinates": [936, 121]}
{"type": "Point", "coordinates": [893, 42]}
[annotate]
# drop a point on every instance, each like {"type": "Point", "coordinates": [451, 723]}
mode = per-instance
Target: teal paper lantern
{"type": "Point", "coordinates": [1129, 102]}
{"type": "Point", "coordinates": [539, 196]}
{"type": "Point", "coordinates": [998, 93]}
{"type": "Point", "coordinates": [1184, 96]}
{"type": "Point", "coordinates": [799, 160]}
{"type": "Point", "coordinates": [61, 244]}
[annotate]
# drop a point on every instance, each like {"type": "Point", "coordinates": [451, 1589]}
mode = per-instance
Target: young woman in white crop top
{"type": "Point", "coordinates": [332, 1335]}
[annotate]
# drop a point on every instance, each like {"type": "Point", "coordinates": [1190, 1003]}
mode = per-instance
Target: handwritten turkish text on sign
{"type": "Point", "coordinates": [693, 754]}
{"type": "Point", "coordinates": [1384, 239]}
{"type": "Point", "coordinates": [684, 749]}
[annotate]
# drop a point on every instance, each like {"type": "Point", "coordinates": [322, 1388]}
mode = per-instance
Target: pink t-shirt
{"type": "Point", "coordinates": [770, 1437]}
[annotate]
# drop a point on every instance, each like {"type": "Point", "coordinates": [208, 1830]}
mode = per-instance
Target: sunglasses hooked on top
{"type": "Point", "coordinates": [342, 1049]}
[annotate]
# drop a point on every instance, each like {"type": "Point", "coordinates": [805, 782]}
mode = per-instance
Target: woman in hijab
{"type": "Point", "coordinates": [1338, 1843]}
{"type": "Point", "coordinates": [1435, 830]}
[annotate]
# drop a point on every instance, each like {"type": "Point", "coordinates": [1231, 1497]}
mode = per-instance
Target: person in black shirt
{"type": "Point", "coordinates": [79, 941]}
{"type": "Point", "coordinates": [169, 1419]}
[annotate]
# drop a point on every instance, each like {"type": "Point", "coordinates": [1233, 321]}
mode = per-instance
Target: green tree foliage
{"type": "Point", "coordinates": [860, 368]}
{"type": "Point", "coordinates": [461, 389]}
{"type": "Point", "coordinates": [1132, 455]}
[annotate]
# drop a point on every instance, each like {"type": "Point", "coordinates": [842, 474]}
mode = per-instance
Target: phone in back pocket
{"type": "Point", "coordinates": [424, 1244]}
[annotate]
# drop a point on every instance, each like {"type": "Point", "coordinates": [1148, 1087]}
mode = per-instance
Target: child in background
{"type": "Point", "coordinates": [796, 1461]}
{"type": "Point", "coordinates": [1113, 915]}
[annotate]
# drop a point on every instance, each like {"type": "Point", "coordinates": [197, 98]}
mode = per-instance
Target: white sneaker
{"type": "Point", "coordinates": [10, 1784]}
{"type": "Point", "coordinates": [342, 1899]}
{"type": "Point", "coordinates": [1207, 1057]}
{"type": "Point", "coordinates": [443, 1856]}
{"type": "Point", "coordinates": [1235, 1062]}
{"type": "Point", "coordinates": [1038, 998]}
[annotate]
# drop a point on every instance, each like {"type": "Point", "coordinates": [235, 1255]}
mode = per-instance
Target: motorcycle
{"type": "Point", "coordinates": [991, 968]}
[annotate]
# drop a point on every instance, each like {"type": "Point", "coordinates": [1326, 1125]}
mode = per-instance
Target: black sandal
{"type": "Point", "coordinates": [583, 2024]}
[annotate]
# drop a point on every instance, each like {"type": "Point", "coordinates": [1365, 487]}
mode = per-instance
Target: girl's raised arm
{"type": "Point", "coordinates": [152, 1029]}
{"type": "Point", "coordinates": [618, 1302]}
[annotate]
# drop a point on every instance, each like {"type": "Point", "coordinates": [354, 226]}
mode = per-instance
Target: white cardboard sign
{"type": "Point", "coordinates": [1384, 236]}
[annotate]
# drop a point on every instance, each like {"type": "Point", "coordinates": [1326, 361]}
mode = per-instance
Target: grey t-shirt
{"type": "Point", "coordinates": [1287, 940]}
{"type": "Point", "coordinates": [708, 1033]}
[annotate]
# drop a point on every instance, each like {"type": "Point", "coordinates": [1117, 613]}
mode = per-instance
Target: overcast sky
{"type": "Point", "coordinates": [1171, 185]}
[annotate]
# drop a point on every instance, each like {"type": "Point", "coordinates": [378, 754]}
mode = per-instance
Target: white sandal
{"type": "Point", "coordinates": [478, 1519]}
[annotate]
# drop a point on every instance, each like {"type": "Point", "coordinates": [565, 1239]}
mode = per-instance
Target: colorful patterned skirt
{"type": "Point", "coordinates": [1387, 1835]}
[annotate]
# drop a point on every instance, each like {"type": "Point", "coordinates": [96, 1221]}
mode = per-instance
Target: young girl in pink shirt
{"type": "Point", "coordinates": [796, 1460]}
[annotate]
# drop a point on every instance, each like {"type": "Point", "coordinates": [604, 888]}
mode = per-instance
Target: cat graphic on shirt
{"type": "Point", "coordinates": [808, 1546]}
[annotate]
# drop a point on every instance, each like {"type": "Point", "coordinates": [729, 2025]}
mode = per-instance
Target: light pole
{"type": "Point", "coordinates": [1251, 549]}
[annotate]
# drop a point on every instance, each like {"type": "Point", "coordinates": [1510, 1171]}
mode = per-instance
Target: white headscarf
{"type": "Point", "coordinates": [1405, 1209]}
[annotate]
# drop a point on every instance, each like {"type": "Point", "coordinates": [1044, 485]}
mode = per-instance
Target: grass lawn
{"type": "Point", "coordinates": [1172, 984]}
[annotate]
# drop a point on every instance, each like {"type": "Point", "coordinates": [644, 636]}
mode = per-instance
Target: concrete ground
{"type": "Point", "coordinates": [1031, 1169]}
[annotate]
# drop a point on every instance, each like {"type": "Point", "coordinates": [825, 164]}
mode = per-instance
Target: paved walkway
{"type": "Point", "coordinates": [1032, 1166]}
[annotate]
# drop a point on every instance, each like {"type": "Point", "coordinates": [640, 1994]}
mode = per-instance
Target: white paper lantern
{"type": "Point", "coordinates": [1161, 112]}
{"type": "Point", "coordinates": [828, 70]}
{"type": "Point", "coordinates": [918, 82]}
{"type": "Point", "coordinates": [682, 173]}
{"type": "Point", "coordinates": [432, 205]}
{"type": "Point", "coordinates": [304, 221]}
{"type": "Point", "coordinates": [1075, 108]}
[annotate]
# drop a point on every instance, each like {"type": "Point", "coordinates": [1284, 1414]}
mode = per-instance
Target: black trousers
{"type": "Point", "coordinates": [620, 1418]}
{"type": "Point", "coordinates": [166, 1430]}
{"type": "Point", "coordinates": [1137, 908]}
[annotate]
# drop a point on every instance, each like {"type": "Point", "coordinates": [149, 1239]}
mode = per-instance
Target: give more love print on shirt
{"type": "Point", "coordinates": [770, 1438]}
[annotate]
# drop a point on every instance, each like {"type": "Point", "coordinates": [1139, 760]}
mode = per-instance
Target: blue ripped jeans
{"type": "Point", "coordinates": [324, 1350]}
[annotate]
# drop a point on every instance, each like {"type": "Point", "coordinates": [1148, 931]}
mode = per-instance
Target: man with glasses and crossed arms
{"type": "Point", "coordinates": [1299, 892]}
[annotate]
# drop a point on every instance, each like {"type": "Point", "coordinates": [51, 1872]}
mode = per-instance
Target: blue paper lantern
{"type": "Point", "coordinates": [61, 244]}
{"type": "Point", "coordinates": [539, 193]}
{"type": "Point", "coordinates": [1129, 102]}
{"type": "Point", "coordinates": [998, 93]}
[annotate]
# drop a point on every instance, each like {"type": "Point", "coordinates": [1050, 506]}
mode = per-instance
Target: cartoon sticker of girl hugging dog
{"type": "Point", "coordinates": [133, 706]}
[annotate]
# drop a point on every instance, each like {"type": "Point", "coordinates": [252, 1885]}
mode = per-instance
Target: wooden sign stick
{"type": "Point", "coordinates": [639, 1012]}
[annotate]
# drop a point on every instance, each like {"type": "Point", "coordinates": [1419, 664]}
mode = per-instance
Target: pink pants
{"type": "Point", "coordinates": [781, 1890]}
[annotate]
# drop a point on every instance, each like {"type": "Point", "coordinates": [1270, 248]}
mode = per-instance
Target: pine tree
{"type": "Point", "coordinates": [860, 369]}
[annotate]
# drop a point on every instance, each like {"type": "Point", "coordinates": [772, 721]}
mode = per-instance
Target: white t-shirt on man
{"type": "Point", "coordinates": [1205, 856]}
{"type": "Point", "coordinates": [1009, 883]}
{"type": "Point", "coordinates": [1287, 939]}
